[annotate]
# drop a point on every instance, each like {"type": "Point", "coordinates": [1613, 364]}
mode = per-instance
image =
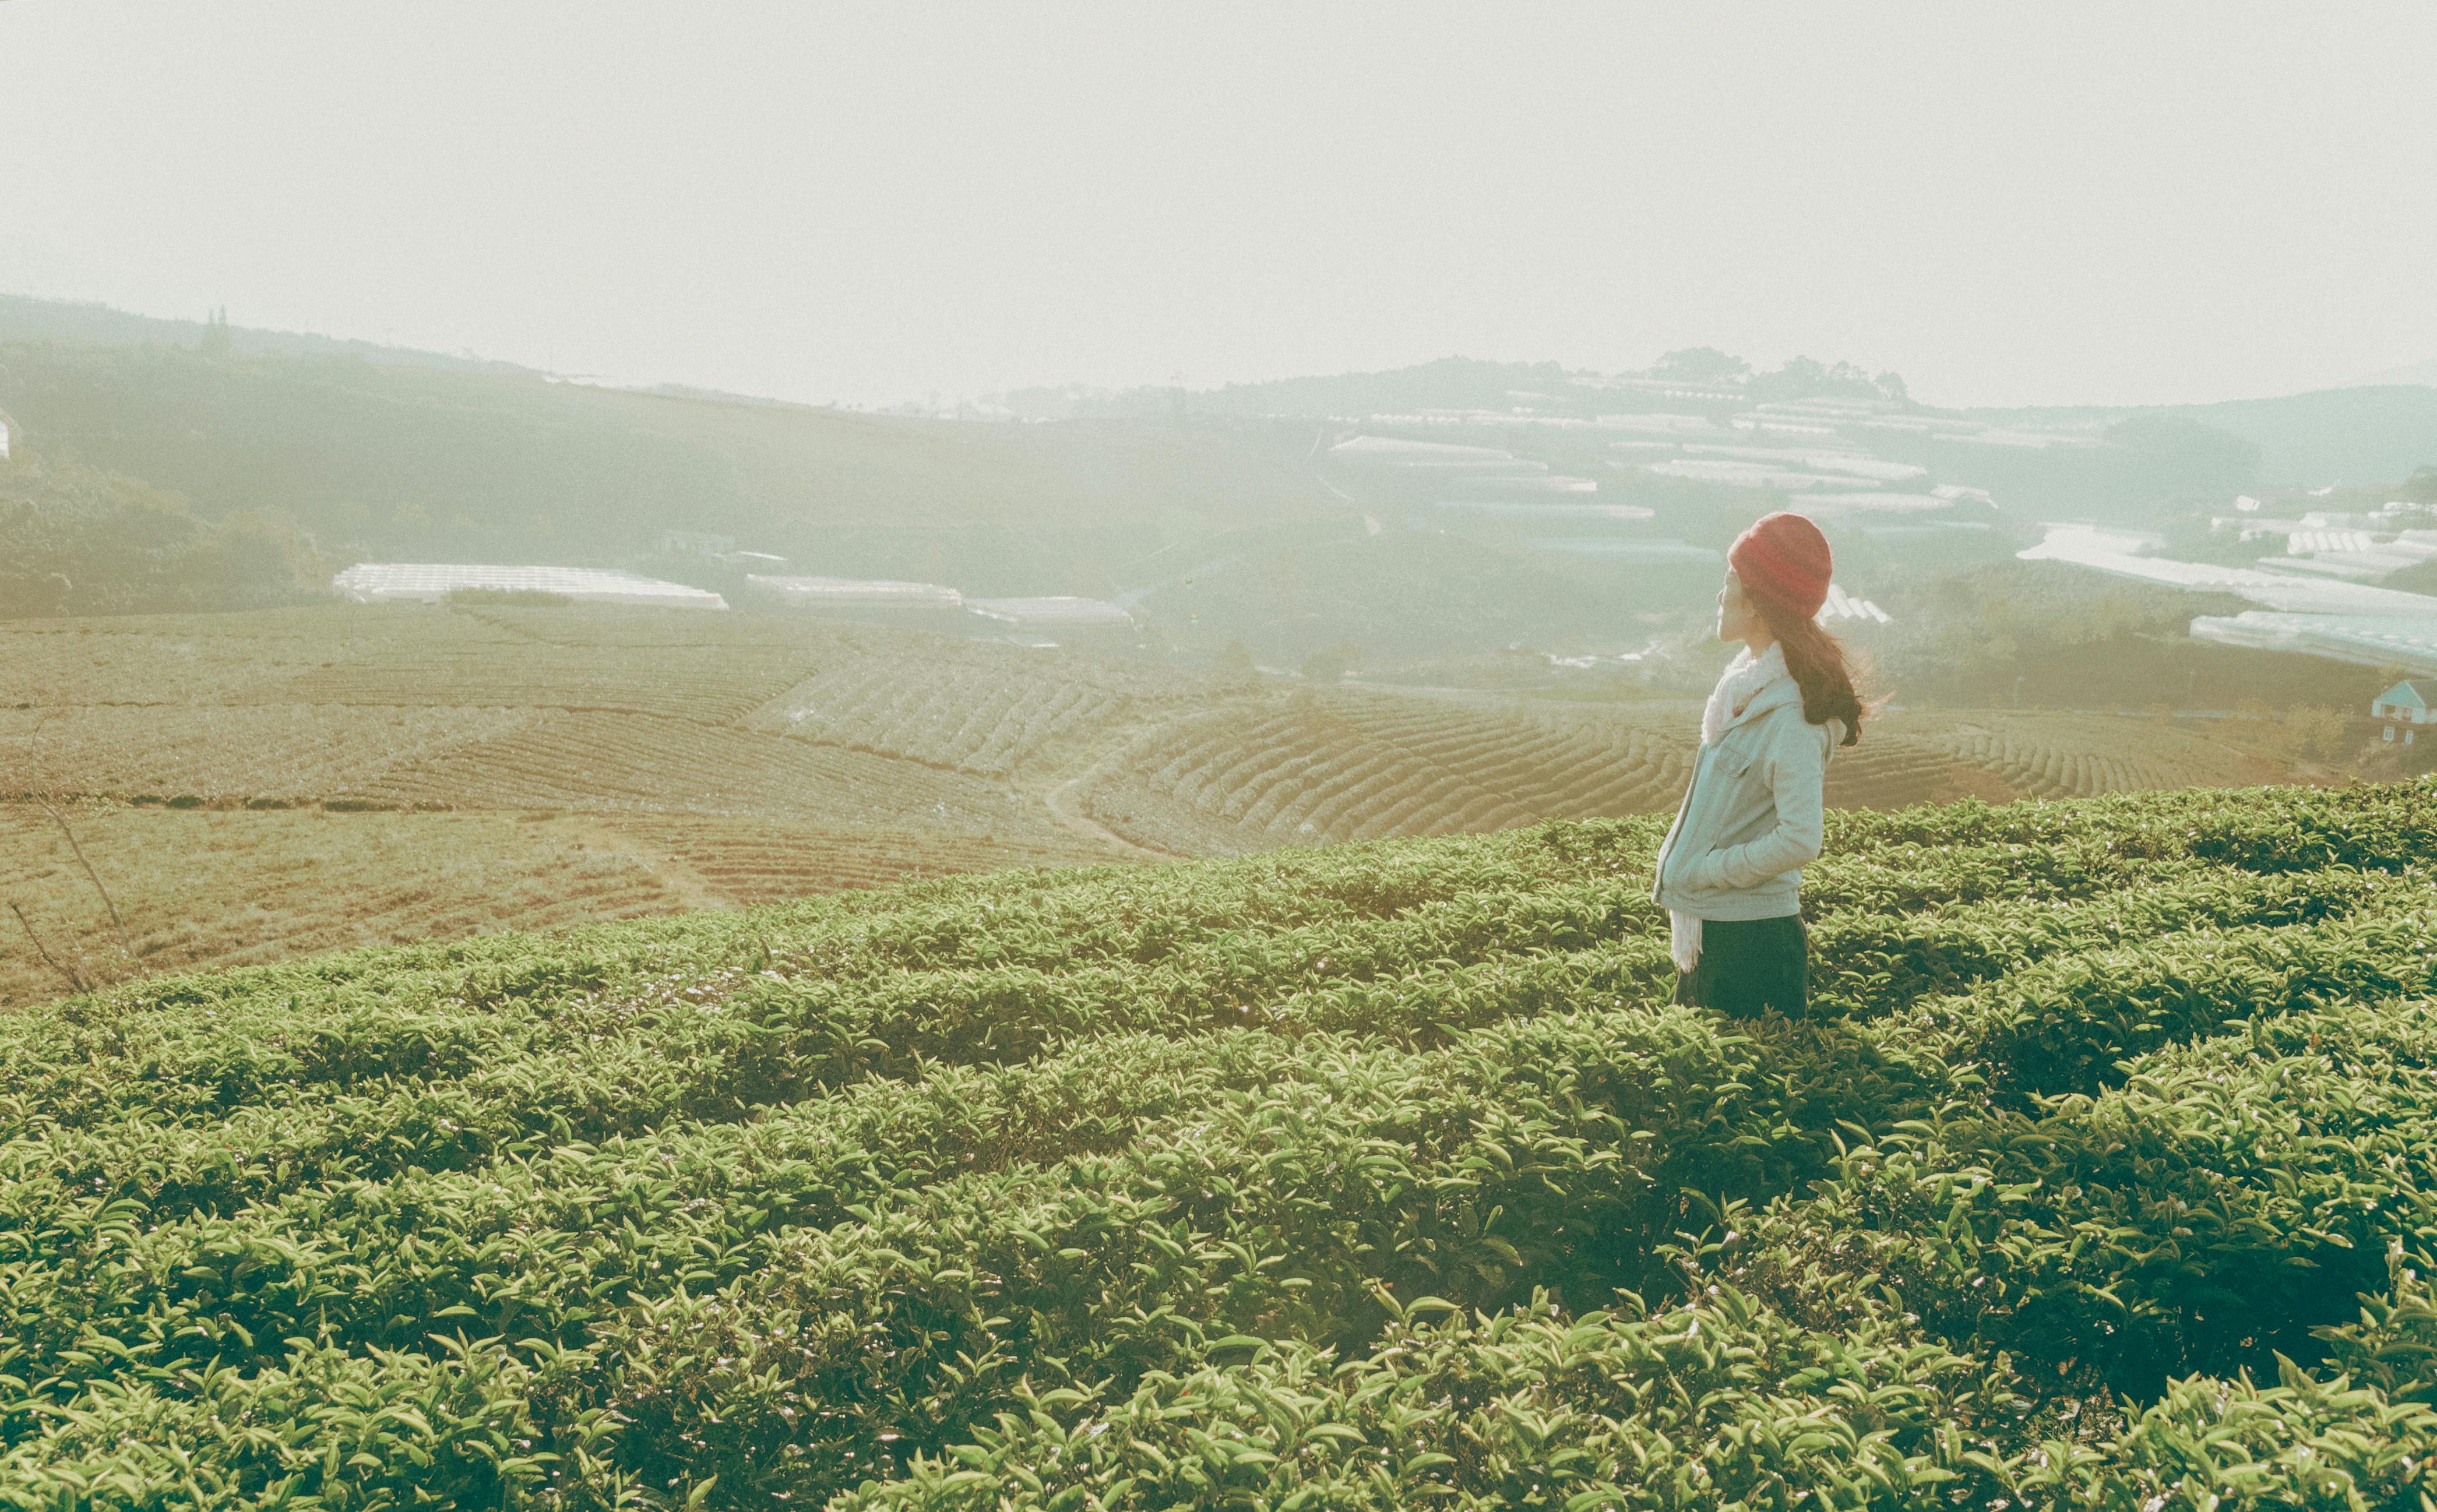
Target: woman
{"type": "Point", "coordinates": [1730, 871]}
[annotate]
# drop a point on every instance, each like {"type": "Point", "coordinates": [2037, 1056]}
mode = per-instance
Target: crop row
{"type": "Point", "coordinates": [757, 862]}
{"type": "Point", "coordinates": [974, 708]}
{"type": "Point", "coordinates": [202, 888]}
{"type": "Point", "coordinates": [2068, 757]}
{"type": "Point", "coordinates": [770, 1005]}
{"type": "Point", "coordinates": [1715, 1401]}
{"type": "Point", "coordinates": [1318, 771]}
{"type": "Point", "coordinates": [1068, 960]}
{"type": "Point", "coordinates": [705, 683]}
{"type": "Point", "coordinates": [2231, 1198]}
{"type": "Point", "coordinates": [352, 1256]}
{"type": "Point", "coordinates": [640, 763]}
{"type": "Point", "coordinates": [778, 1047]}
{"type": "Point", "coordinates": [1565, 767]}
{"type": "Point", "coordinates": [288, 751]}
{"type": "Point", "coordinates": [1004, 1192]}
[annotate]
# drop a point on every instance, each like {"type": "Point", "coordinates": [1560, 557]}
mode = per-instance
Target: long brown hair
{"type": "Point", "coordinates": [1820, 666]}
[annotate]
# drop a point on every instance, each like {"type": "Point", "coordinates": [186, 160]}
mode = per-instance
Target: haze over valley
{"type": "Point", "coordinates": [1064, 629]}
{"type": "Point", "coordinates": [1098, 758]}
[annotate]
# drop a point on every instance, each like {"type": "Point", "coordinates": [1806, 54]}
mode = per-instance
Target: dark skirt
{"type": "Point", "coordinates": [1748, 965]}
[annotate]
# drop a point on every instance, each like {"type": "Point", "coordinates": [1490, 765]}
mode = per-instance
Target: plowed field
{"type": "Point", "coordinates": [375, 773]}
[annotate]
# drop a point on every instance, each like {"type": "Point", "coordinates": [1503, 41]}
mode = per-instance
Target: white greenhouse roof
{"type": "Point", "coordinates": [1562, 512]}
{"type": "Point", "coordinates": [1660, 424]}
{"type": "Point", "coordinates": [1539, 482]}
{"type": "Point", "coordinates": [2376, 640]}
{"type": "Point", "coordinates": [1041, 612]}
{"type": "Point", "coordinates": [1747, 474]}
{"type": "Point", "coordinates": [2300, 542]}
{"type": "Point", "coordinates": [865, 591]}
{"type": "Point", "coordinates": [372, 582]}
{"type": "Point", "coordinates": [1875, 503]}
{"type": "Point", "coordinates": [1403, 453]}
{"type": "Point", "coordinates": [2113, 551]}
{"type": "Point", "coordinates": [1817, 459]}
{"type": "Point", "coordinates": [1843, 605]}
{"type": "Point", "coordinates": [1617, 550]}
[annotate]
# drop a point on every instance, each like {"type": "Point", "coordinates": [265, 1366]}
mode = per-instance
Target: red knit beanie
{"type": "Point", "coordinates": [1783, 560]}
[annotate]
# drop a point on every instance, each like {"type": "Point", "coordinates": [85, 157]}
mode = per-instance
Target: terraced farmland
{"type": "Point", "coordinates": [735, 758]}
{"type": "Point", "coordinates": [643, 763]}
{"type": "Point", "coordinates": [985, 709]}
{"type": "Point", "coordinates": [2055, 755]}
{"type": "Point", "coordinates": [289, 753]}
{"type": "Point", "coordinates": [1326, 768]}
{"type": "Point", "coordinates": [250, 786]}
{"type": "Point", "coordinates": [1314, 769]}
{"type": "Point", "coordinates": [234, 887]}
{"type": "Point", "coordinates": [752, 861]}
{"type": "Point", "coordinates": [2100, 1177]}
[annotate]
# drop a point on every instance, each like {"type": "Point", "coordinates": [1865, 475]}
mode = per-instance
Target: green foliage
{"type": "Point", "coordinates": [1805, 377]}
{"type": "Point", "coordinates": [1700, 364]}
{"type": "Point", "coordinates": [76, 541]}
{"type": "Point", "coordinates": [409, 458]}
{"type": "Point", "coordinates": [2200, 446]}
{"type": "Point", "coordinates": [2053, 635]}
{"type": "Point", "coordinates": [2099, 1177]}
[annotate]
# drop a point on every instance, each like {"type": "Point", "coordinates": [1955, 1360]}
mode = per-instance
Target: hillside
{"type": "Point", "coordinates": [2357, 435]}
{"type": "Point", "coordinates": [165, 466]}
{"type": "Point", "coordinates": [2367, 434]}
{"type": "Point", "coordinates": [80, 323]}
{"type": "Point", "coordinates": [2120, 462]}
{"type": "Point", "coordinates": [76, 539]}
{"type": "Point", "coordinates": [1360, 1178]}
{"type": "Point", "coordinates": [249, 787]}
{"type": "Point", "coordinates": [420, 461]}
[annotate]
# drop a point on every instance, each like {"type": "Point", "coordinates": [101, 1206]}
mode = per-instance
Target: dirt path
{"type": "Point", "coordinates": [692, 887]}
{"type": "Point", "coordinates": [1060, 797]}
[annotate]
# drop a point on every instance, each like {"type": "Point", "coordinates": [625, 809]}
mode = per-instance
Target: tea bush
{"type": "Point", "coordinates": [2100, 1175]}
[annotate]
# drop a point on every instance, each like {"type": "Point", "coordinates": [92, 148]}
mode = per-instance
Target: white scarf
{"type": "Point", "coordinates": [1742, 680]}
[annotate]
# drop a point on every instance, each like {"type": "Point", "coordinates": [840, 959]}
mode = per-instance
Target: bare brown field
{"type": "Point", "coordinates": [233, 887]}
{"type": "Point", "coordinates": [239, 887]}
{"type": "Point", "coordinates": [746, 862]}
{"type": "Point", "coordinates": [646, 763]}
{"type": "Point", "coordinates": [219, 752]}
{"type": "Point", "coordinates": [985, 709]}
{"type": "Point", "coordinates": [257, 785]}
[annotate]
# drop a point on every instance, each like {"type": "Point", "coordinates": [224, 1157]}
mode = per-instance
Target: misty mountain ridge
{"type": "Point", "coordinates": [25, 317]}
{"type": "Point", "coordinates": [1454, 382]}
{"type": "Point", "coordinates": [148, 445]}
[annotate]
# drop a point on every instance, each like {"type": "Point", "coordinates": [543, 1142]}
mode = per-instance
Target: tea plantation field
{"type": "Point", "coordinates": [2102, 1176]}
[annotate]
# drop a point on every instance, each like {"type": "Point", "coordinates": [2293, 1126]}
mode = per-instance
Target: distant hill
{"type": "Point", "coordinates": [57, 320]}
{"type": "Point", "coordinates": [1461, 383]}
{"type": "Point", "coordinates": [2350, 435]}
{"type": "Point", "coordinates": [1220, 515]}
{"type": "Point", "coordinates": [2358, 436]}
{"type": "Point", "coordinates": [422, 460]}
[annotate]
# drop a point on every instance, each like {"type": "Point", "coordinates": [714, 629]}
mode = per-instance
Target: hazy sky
{"type": "Point", "coordinates": [2041, 202]}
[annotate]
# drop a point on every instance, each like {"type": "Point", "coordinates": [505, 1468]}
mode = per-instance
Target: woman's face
{"type": "Point", "coordinates": [1736, 617]}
